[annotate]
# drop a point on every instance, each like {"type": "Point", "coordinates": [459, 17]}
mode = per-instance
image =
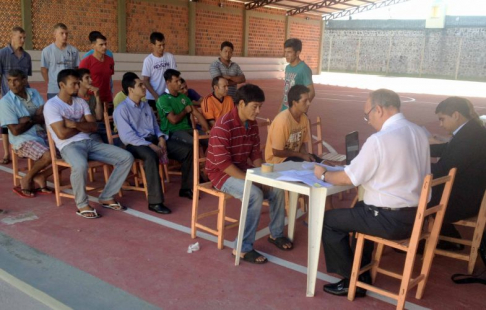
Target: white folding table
{"type": "Point", "coordinates": [317, 201]}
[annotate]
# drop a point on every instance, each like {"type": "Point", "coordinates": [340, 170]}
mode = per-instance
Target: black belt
{"type": "Point", "coordinates": [373, 208]}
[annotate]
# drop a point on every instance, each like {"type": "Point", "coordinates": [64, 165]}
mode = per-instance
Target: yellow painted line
{"type": "Point", "coordinates": [32, 291]}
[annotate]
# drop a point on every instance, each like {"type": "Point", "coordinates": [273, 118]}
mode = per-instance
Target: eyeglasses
{"type": "Point", "coordinates": [367, 115]}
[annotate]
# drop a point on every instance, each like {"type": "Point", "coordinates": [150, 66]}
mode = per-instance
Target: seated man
{"type": "Point", "coordinates": [139, 131]}
{"type": "Point", "coordinates": [218, 103]}
{"type": "Point", "coordinates": [21, 111]}
{"type": "Point", "coordinates": [191, 93]}
{"type": "Point", "coordinates": [91, 95]}
{"type": "Point", "coordinates": [467, 152]}
{"type": "Point", "coordinates": [289, 130]}
{"type": "Point", "coordinates": [235, 140]}
{"type": "Point", "coordinates": [391, 167]}
{"type": "Point", "coordinates": [175, 110]}
{"type": "Point", "coordinates": [70, 122]}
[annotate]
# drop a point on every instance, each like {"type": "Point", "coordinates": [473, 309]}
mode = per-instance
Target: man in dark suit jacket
{"type": "Point", "coordinates": [466, 151]}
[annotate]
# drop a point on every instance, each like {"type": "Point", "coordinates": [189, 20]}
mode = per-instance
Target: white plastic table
{"type": "Point", "coordinates": [317, 202]}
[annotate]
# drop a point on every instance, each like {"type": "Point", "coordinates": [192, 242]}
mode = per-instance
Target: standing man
{"type": "Point", "coordinates": [13, 56]}
{"type": "Point", "coordinates": [218, 103]}
{"type": "Point", "coordinates": [56, 57]}
{"type": "Point", "coordinates": [289, 130]}
{"type": "Point", "coordinates": [235, 142]}
{"type": "Point", "coordinates": [21, 111]}
{"type": "Point", "coordinates": [297, 71]}
{"type": "Point", "coordinates": [467, 152]}
{"type": "Point", "coordinates": [139, 131]}
{"type": "Point", "coordinates": [101, 66]}
{"type": "Point", "coordinates": [391, 167]}
{"type": "Point", "coordinates": [70, 122]}
{"type": "Point", "coordinates": [224, 67]}
{"type": "Point", "coordinates": [154, 67]}
{"type": "Point", "coordinates": [91, 36]}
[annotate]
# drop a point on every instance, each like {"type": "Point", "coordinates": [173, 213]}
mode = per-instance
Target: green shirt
{"type": "Point", "coordinates": [168, 103]}
{"type": "Point", "coordinates": [301, 74]}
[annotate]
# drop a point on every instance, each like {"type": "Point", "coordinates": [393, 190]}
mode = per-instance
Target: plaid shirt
{"type": "Point", "coordinates": [8, 61]}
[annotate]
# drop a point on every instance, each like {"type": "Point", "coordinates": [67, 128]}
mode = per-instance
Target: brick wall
{"type": "Point", "coordinates": [80, 16]}
{"type": "Point", "coordinates": [143, 18]}
{"type": "Point", "coordinates": [213, 27]}
{"type": "Point", "coordinates": [268, 43]}
{"type": "Point", "coordinates": [10, 16]}
{"type": "Point", "coordinates": [310, 35]}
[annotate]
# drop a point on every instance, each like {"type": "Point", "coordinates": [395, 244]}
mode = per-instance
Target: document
{"type": "Point", "coordinates": [304, 176]}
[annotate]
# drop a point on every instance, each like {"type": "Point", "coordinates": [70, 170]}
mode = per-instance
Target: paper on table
{"type": "Point", "coordinates": [304, 176]}
{"type": "Point", "coordinates": [309, 165]}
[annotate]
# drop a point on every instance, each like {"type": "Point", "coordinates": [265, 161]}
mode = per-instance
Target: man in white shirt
{"type": "Point", "coordinates": [391, 168]}
{"type": "Point", "coordinates": [154, 66]}
{"type": "Point", "coordinates": [70, 122]}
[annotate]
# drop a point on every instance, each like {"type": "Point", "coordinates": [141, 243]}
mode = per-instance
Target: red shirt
{"type": "Point", "coordinates": [101, 72]}
{"type": "Point", "coordinates": [231, 143]}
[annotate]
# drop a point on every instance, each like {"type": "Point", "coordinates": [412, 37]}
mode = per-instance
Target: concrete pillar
{"type": "Point", "coordinates": [121, 11]}
{"type": "Point", "coordinates": [246, 31]}
{"type": "Point", "coordinates": [321, 47]}
{"type": "Point", "coordinates": [26, 8]}
{"type": "Point", "coordinates": [192, 28]}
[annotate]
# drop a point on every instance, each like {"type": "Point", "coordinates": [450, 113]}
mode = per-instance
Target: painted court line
{"type": "Point", "coordinates": [276, 260]}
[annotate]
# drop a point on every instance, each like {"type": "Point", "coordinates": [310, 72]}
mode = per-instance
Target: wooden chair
{"type": "Point", "coordinates": [138, 174]}
{"type": "Point", "coordinates": [56, 163]}
{"type": "Point", "coordinates": [477, 223]}
{"type": "Point", "coordinates": [209, 189]}
{"type": "Point", "coordinates": [407, 245]}
{"type": "Point", "coordinates": [17, 170]}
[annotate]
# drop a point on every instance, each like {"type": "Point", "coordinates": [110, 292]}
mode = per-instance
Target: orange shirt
{"type": "Point", "coordinates": [212, 108]}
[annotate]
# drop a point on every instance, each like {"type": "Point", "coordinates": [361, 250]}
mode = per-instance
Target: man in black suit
{"type": "Point", "coordinates": [466, 151]}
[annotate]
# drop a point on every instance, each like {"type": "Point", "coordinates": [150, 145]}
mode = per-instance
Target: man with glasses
{"type": "Point", "coordinates": [391, 167]}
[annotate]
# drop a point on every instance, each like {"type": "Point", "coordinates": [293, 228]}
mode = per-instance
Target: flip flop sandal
{"type": "Point", "coordinates": [44, 190]}
{"type": "Point", "coordinates": [280, 243]}
{"type": "Point", "coordinates": [114, 206]}
{"type": "Point", "coordinates": [24, 193]}
{"type": "Point", "coordinates": [252, 257]}
{"type": "Point", "coordinates": [6, 161]}
{"type": "Point", "coordinates": [85, 212]}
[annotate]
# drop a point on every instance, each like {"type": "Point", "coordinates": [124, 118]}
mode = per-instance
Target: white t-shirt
{"type": "Point", "coordinates": [55, 110]}
{"type": "Point", "coordinates": [154, 68]}
{"type": "Point", "coordinates": [392, 164]}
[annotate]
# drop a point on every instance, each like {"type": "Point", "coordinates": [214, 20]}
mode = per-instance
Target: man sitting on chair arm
{"type": "Point", "coordinates": [391, 168]}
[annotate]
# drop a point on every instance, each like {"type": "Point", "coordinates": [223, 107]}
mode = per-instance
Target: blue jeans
{"type": "Point", "coordinates": [77, 154]}
{"type": "Point", "coordinates": [276, 198]}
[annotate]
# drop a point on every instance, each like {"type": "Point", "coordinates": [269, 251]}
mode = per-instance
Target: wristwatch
{"type": "Point", "coordinates": [323, 176]}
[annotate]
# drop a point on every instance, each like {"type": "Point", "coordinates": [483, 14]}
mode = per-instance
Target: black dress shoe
{"type": "Point", "coordinates": [185, 193]}
{"type": "Point", "coordinates": [159, 208]}
{"type": "Point", "coordinates": [341, 288]}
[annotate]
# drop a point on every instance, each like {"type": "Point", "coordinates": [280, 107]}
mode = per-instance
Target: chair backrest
{"type": "Point", "coordinates": [108, 123]}
{"type": "Point", "coordinates": [52, 145]}
{"type": "Point", "coordinates": [438, 210]}
{"type": "Point", "coordinates": [315, 140]}
{"type": "Point", "coordinates": [198, 159]}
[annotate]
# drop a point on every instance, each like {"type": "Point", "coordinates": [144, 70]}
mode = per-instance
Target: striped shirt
{"type": "Point", "coordinates": [8, 61]}
{"type": "Point", "coordinates": [218, 68]}
{"type": "Point", "coordinates": [231, 143]}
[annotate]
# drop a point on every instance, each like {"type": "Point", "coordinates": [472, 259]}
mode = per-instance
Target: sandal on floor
{"type": "Point", "coordinates": [6, 161]}
{"type": "Point", "coordinates": [24, 193]}
{"type": "Point", "coordinates": [85, 212]}
{"type": "Point", "coordinates": [252, 257]}
{"type": "Point", "coordinates": [44, 190]}
{"type": "Point", "coordinates": [114, 206]}
{"type": "Point", "coordinates": [280, 243]}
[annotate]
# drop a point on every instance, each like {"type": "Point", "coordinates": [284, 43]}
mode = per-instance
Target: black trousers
{"type": "Point", "coordinates": [338, 223]}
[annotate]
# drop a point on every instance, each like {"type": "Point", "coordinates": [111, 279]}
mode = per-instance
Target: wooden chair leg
{"type": "Point", "coordinates": [144, 179]}
{"type": "Point", "coordinates": [15, 168]}
{"type": "Point", "coordinates": [166, 173]}
{"type": "Point", "coordinates": [377, 260]}
{"type": "Point", "coordinates": [476, 241]}
{"type": "Point", "coordinates": [161, 173]}
{"type": "Point", "coordinates": [90, 174]}
{"type": "Point", "coordinates": [57, 183]}
{"type": "Point", "coordinates": [221, 222]}
{"type": "Point", "coordinates": [407, 274]}
{"type": "Point", "coordinates": [195, 207]}
{"type": "Point", "coordinates": [358, 254]}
